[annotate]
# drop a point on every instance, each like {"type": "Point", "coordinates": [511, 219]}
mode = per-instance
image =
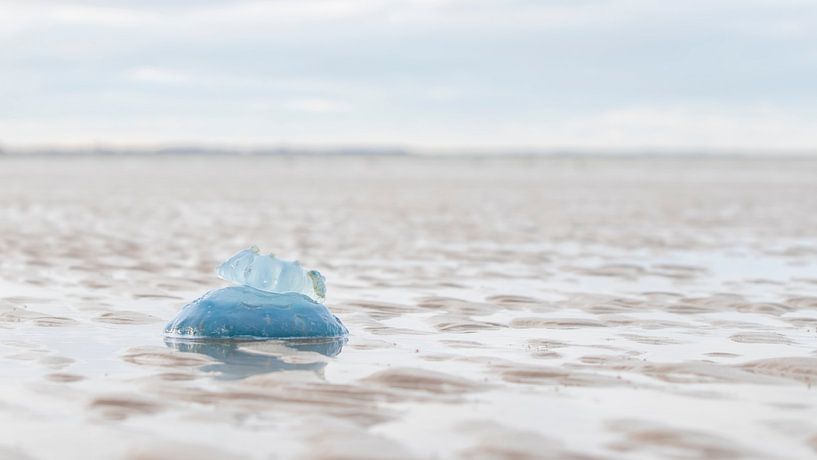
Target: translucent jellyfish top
{"type": "Point", "coordinates": [249, 267]}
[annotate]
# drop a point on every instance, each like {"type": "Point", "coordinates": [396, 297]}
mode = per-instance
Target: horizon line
{"type": "Point", "coordinates": [284, 149]}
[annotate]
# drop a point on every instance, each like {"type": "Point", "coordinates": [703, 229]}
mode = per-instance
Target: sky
{"type": "Point", "coordinates": [693, 75]}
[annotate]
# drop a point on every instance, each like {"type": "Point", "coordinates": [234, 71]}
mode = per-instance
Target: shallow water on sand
{"type": "Point", "coordinates": [498, 308]}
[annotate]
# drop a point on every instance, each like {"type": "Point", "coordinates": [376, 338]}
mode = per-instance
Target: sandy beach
{"type": "Point", "coordinates": [502, 308]}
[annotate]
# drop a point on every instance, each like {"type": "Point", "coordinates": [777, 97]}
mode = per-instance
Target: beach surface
{"type": "Point", "coordinates": [504, 308]}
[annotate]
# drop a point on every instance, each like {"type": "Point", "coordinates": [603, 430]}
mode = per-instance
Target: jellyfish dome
{"type": "Point", "coordinates": [273, 299]}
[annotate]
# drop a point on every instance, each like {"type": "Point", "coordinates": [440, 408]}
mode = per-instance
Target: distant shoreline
{"type": "Point", "coordinates": [195, 151]}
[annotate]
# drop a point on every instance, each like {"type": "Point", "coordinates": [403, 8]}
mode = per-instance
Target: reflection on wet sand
{"type": "Point", "coordinates": [238, 360]}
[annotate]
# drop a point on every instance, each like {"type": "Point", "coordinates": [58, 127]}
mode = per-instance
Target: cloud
{"type": "Point", "coordinates": [101, 15]}
{"type": "Point", "coordinates": [675, 127]}
{"type": "Point", "coordinates": [316, 105]}
{"type": "Point", "coordinates": [158, 75]}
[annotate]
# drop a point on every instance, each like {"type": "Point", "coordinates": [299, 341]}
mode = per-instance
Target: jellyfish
{"type": "Point", "coordinates": [272, 299]}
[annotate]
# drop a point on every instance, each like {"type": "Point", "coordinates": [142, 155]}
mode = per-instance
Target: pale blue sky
{"type": "Point", "coordinates": [586, 74]}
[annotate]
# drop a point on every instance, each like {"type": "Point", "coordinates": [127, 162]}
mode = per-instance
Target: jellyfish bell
{"type": "Point", "coordinates": [272, 299]}
{"type": "Point", "coordinates": [244, 312]}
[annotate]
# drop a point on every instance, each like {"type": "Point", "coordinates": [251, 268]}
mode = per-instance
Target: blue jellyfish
{"type": "Point", "coordinates": [274, 299]}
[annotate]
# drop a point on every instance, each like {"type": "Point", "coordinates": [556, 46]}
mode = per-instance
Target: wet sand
{"type": "Point", "coordinates": [498, 308]}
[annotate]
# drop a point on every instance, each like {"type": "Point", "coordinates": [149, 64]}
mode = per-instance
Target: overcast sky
{"type": "Point", "coordinates": [587, 74]}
